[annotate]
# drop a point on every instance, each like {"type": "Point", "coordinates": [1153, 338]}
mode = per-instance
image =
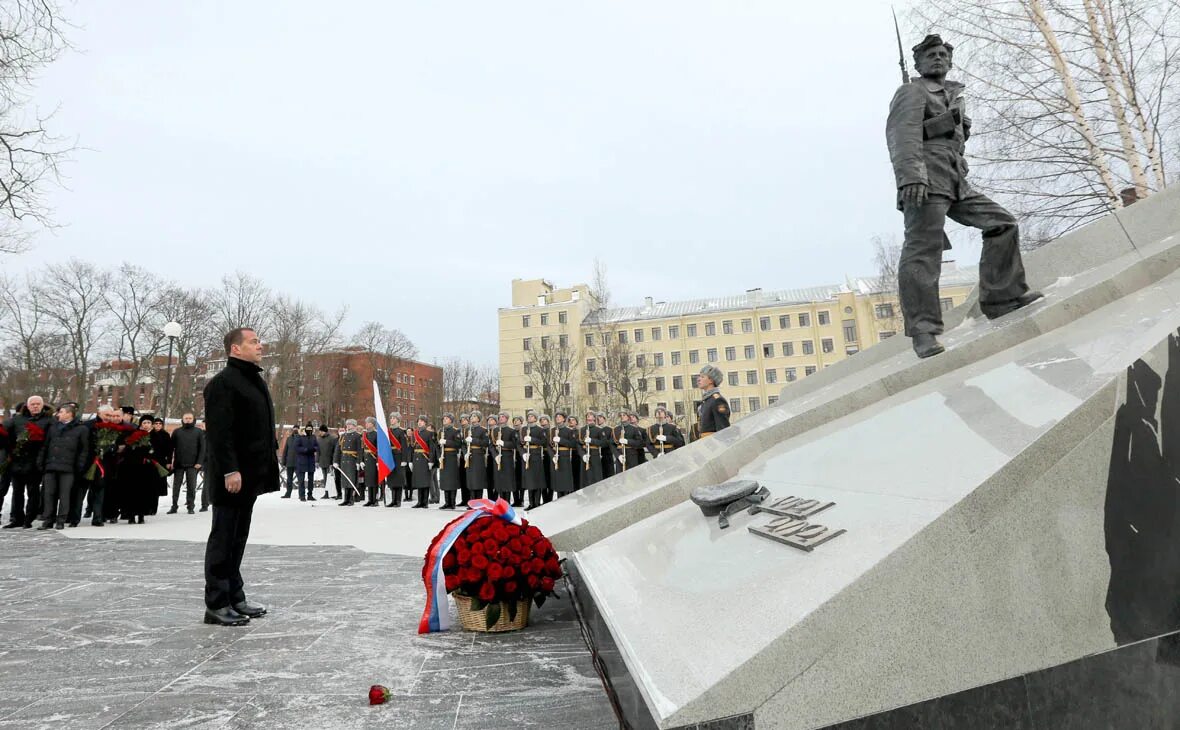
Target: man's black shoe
{"type": "Point", "coordinates": [73, 524]}
{"type": "Point", "coordinates": [250, 610]}
{"type": "Point", "coordinates": [310, 498]}
{"type": "Point", "coordinates": [391, 504]}
{"type": "Point", "coordinates": [11, 525]}
{"type": "Point", "coordinates": [225, 617]}
{"type": "Point", "coordinates": [344, 504]}
{"type": "Point", "coordinates": [205, 508]}
{"type": "Point", "coordinates": [173, 510]}
{"type": "Point", "coordinates": [28, 525]}
{"type": "Point", "coordinates": [419, 506]}
{"type": "Point", "coordinates": [59, 526]}
{"type": "Point", "coordinates": [47, 525]}
{"type": "Point", "coordinates": [927, 345]}
{"type": "Point", "coordinates": [285, 496]}
{"type": "Point", "coordinates": [995, 312]}
{"type": "Point", "coordinates": [97, 523]}
{"type": "Point", "coordinates": [190, 511]}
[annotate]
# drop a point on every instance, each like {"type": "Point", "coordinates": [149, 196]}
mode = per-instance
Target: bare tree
{"type": "Point", "coordinates": [135, 298]}
{"type": "Point", "coordinates": [1074, 102]}
{"type": "Point", "coordinates": [30, 39]}
{"type": "Point", "coordinates": [298, 330]}
{"type": "Point", "coordinates": [197, 340]}
{"type": "Point", "coordinates": [75, 305]}
{"type": "Point", "coordinates": [464, 380]}
{"type": "Point", "coordinates": [549, 367]}
{"type": "Point", "coordinates": [386, 349]}
{"type": "Point", "coordinates": [887, 253]}
{"type": "Point", "coordinates": [242, 300]}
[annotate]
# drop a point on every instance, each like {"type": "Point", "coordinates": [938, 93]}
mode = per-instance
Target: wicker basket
{"type": "Point", "coordinates": [477, 620]}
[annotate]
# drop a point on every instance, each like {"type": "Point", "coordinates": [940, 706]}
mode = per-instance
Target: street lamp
{"type": "Point", "coordinates": [172, 330]}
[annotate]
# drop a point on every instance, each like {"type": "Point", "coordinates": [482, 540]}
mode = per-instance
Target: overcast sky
{"type": "Point", "coordinates": [412, 158]}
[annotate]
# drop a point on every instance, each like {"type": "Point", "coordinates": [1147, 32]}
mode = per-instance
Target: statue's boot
{"type": "Point", "coordinates": [996, 311]}
{"type": "Point", "coordinates": [927, 345]}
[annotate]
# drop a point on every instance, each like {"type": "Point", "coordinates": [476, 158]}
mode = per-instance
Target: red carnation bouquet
{"type": "Point", "coordinates": [498, 564]}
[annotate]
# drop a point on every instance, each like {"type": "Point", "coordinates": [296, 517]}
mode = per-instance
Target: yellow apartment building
{"type": "Point", "coordinates": [560, 351]}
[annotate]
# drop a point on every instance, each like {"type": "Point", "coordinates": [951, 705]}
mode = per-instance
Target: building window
{"type": "Point", "coordinates": [771, 400]}
{"type": "Point", "coordinates": [735, 405]}
{"type": "Point", "coordinates": [528, 368]}
{"type": "Point", "coordinates": [604, 337]}
{"type": "Point", "coordinates": [824, 319]}
{"type": "Point", "coordinates": [562, 317]}
{"type": "Point", "coordinates": [639, 335]}
{"type": "Point", "coordinates": [565, 389]}
{"type": "Point", "coordinates": [679, 407]}
{"type": "Point", "coordinates": [791, 375]}
{"type": "Point", "coordinates": [676, 357]}
{"type": "Point", "coordinates": [755, 404]}
{"type": "Point", "coordinates": [747, 326]}
{"type": "Point", "coordinates": [804, 320]}
{"type": "Point", "coordinates": [528, 391]}
{"type": "Point", "coordinates": [524, 320]}
{"type": "Point", "coordinates": [771, 375]}
{"type": "Point", "coordinates": [850, 330]}
{"type": "Point", "coordinates": [694, 357]}
{"type": "Point", "coordinates": [784, 321]}
{"type": "Point", "coordinates": [644, 410]}
{"type": "Point", "coordinates": [727, 327]}
{"type": "Point", "coordinates": [749, 352]}
{"type": "Point", "coordinates": [590, 364]}
{"type": "Point", "coordinates": [827, 345]}
{"type": "Point", "coordinates": [711, 354]}
{"type": "Point", "coordinates": [710, 329]}
{"type": "Point", "coordinates": [677, 382]}
{"type": "Point", "coordinates": [544, 319]}
{"type": "Point", "coordinates": [659, 384]}
{"type": "Point", "coordinates": [751, 377]}
{"type": "Point", "coordinates": [886, 334]}
{"type": "Point", "coordinates": [641, 385]}
{"type": "Point", "coordinates": [640, 360]}
{"type": "Point", "coordinates": [884, 311]}
{"type": "Point", "coordinates": [764, 324]}
{"type": "Point", "coordinates": [528, 343]}
{"type": "Point", "coordinates": [674, 332]}
{"type": "Point", "coordinates": [692, 330]}
{"type": "Point", "coordinates": [591, 388]}
{"type": "Point", "coordinates": [732, 377]}
{"type": "Point", "coordinates": [851, 350]}
{"type": "Point", "coordinates": [317, 375]}
{"type": "Point", "coordinates": [768, 351]}
{"type": "Point", "coordinates": [589, 340]}
{"type": "Point", "coordinates": [659, 359]}
{"type": "Point", "coordinates": [808, 347]}
{"type": "Point", "coordinates": [655, 334]}
{"type": "Point", "coordinates": [545, 342]}
{"type": "Point", "coordinates": [731, 353]}
{"type": "Point", "coordinates": [788, 349]}
{"type": "Point", "coordinates": [563, 341]}
{"type": "Point", "coordinates": [622, 337]}
{"type": "Point", "coordinates": [809, 370]}
{"type": "Point", "coordinates": [412, 380]}
{"type": "Point", "coordinates": [946, 304]}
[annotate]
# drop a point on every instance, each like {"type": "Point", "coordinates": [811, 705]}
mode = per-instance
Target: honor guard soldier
{"type": "Point", "coordinates": [532, 445]}
{"type": "Point", "coordinates": [567, 453]}
{"type": "Point", "coordinates": [593, 442]}
{"type": "Point", "coordinates": [645, 442]}
{"type": "Point", "coordinates": [423, 444]}
{"type": "Point", "coordinates": [927, 133]}
{"type": "Point", "coordinates": [475, 458]}
{"type": "Point", "coordinates": [369, 441]}
{"type": "Point", "coordinates": [663, 436]}
{"type": "Point", "coordinates": [547, 426]}
{"type": "Point", "coordinates": [347, 459]}
{"type": "Point", "coordinates": [629, 440]}
{"type": "Point", "coordinates": [505, 450]}
{"type": "Point", "coordinates": [606, 439]}
{"type": "Point", "coordinates": [450, 443]}
{"type": "Point", "coordinates": [713, 415]}
{"type": "Point", "coordinates": [396, 481]}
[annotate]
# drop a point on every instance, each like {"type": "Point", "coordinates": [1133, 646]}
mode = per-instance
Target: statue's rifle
{"type": "Point", "coordinates": [905, 72]}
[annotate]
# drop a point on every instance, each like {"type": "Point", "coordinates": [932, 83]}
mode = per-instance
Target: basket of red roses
{"type": "Point", "coordinates": [495, 568]}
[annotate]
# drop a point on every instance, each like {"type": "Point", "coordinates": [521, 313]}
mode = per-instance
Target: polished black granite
{"type": "Point", "coordinates": [1136, 687]}
{"type": "Point", "coordinates": [108, 634]}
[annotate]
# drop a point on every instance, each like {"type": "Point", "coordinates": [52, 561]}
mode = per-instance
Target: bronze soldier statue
{"type": "Point", "coordinates": [927, 131]}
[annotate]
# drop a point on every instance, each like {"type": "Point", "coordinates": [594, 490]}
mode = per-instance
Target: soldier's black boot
{"type": "Point", "coordinates": [534, 499]}
{"type": "Point", "coordinates": [927, 345]}
{"type": "Point", "coordinates": [448, 501]}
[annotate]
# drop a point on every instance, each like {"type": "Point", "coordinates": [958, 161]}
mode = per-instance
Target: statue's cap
{"type": "Point", "coordinates": [930, 41]}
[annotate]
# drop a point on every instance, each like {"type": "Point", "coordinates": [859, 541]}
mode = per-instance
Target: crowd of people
{"type": "Point", "coordinates": [117, 465]}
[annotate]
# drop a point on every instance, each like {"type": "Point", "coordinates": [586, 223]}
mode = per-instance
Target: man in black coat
{"type": "Point", "coordinates": [188, 453]}
{"type": "Point", "coordinates": [66, 450]}
{"type": "Point", "coordinates": [239, 428]}
{"type": "Point", "coordinates": [26, 435]}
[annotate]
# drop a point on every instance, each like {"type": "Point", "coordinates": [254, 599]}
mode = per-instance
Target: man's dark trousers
{"type": "Point", "coordinates": [5, 483]}
{"type": "Point", "coordinates": [223, 556]}
{"type": "Point", "coordinates": [59, 487]}
{"type": "Point", "coordinates": [1001, 269]}
{"type": "Point", "coordinates": [94, 494]}
{"type": "Point", "coordinates": [291, 480]}
{"type": "Point", "coordinates": [189, 475]}
{"type": "Point", "coordinates": [22, 485]}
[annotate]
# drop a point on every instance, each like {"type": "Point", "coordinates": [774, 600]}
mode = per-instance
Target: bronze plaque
{"type": "Point", "coordinates": [800, 507]}
{"type": "Point", "coordinates": [796, 532]}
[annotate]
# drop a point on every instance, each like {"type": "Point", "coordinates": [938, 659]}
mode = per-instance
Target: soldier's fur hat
{"type": "Point", "coordinates": [712, 372]}
{"type": "Point", "coordinates": [476, 415]}
{"type": "Point", "coordinates": [350, 422]}
{"type": "Point", "coordinates": [930, 41]}
{"type": "Point", "coordinates": [450, 416]}
{"type": "Point", "coordinates": [396, 415]}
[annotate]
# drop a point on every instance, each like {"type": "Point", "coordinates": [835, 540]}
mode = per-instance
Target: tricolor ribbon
{"type": "Point", "coordinates": [437, 616]}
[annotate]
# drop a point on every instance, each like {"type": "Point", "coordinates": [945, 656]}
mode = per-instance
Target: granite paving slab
{"type": "Point", "coordinates": [107, 633]}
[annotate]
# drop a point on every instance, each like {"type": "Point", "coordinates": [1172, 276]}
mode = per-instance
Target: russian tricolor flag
{"type": "Point", "coordinates": [385, 460]}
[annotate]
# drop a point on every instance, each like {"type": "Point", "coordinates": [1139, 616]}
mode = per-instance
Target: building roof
{"type": "Point", "coordinates": [951, 276]}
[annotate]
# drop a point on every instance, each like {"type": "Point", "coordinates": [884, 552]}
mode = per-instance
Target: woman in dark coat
{"type": "Point", "coordinates": [138, 476]}
{"type": "Point", "coordinates": [162, 455]}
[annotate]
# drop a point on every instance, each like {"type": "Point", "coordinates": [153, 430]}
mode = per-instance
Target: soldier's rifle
{"type": "Point", "coordinates": [499, 448]}
{"type": "Point", "coordinates": [905, 72]}
{"type": "Point", "coordinates": [555, 438]}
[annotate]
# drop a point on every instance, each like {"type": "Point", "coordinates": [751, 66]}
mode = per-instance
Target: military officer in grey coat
{"type": "Point", "coordinates": [347, 456]}
{"type": "Point", "coordinates": [713, 415]}
{"type": "Point", "coordinates": [927, 131]}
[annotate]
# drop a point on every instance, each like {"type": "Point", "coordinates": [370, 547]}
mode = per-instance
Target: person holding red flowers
{"type": "Point", "coordinates": [26, 437]}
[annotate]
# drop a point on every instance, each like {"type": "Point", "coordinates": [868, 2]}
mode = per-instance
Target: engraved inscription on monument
{"type": "Point", "coordinates": [795, 507]}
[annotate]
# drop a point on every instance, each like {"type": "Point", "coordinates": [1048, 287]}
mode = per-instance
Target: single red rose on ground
{"type": "Point", "coordinates": [379, 695]}
{"type": "Point", "coordinates": [487, 592]}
